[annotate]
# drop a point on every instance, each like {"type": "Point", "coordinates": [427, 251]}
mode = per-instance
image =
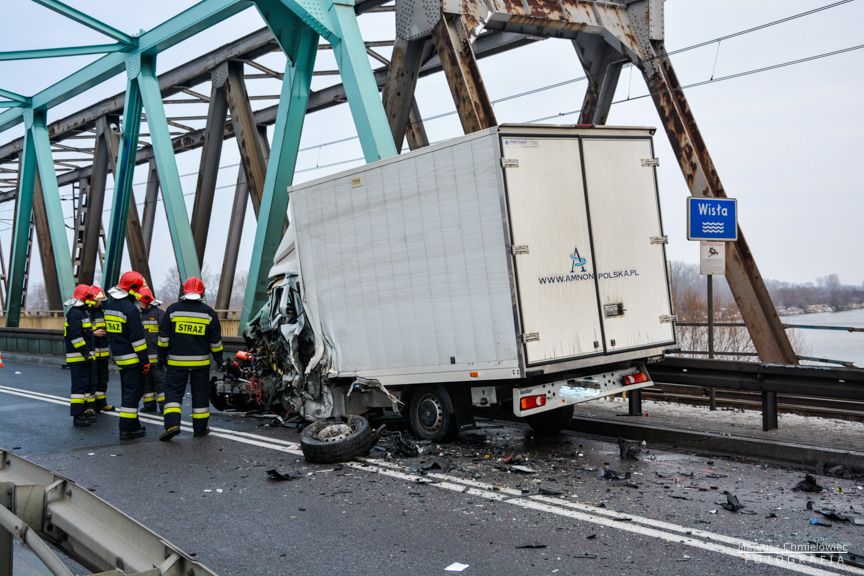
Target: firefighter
{"type": "Point", "coordinates": [154, 383]}
{"type": "Point", "coordinates": [129, 349]}
{"type": "Point", "coordinates": [100, 340]}
{"type": "Point", "coordinates": [78, 335]}
{"type": "Point", "coordinates": [188, 334]}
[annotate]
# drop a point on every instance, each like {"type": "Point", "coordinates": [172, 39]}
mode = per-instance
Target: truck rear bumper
{"type": "Point", "coordinates": [551, 395]}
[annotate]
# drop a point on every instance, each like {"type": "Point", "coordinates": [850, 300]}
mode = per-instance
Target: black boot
{"type": "Point", "coordinates": [132, 434]}
{"type": "Point", "coordinates": [80, 420]}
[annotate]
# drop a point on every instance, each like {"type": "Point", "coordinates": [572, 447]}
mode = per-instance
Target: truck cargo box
{"type": "Point", "coordinates": [521, 251]}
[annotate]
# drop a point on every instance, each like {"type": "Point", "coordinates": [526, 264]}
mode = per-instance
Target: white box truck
{"type": "Point", "coordinates": [523, 265]}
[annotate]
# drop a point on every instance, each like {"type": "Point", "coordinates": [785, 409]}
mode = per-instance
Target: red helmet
{"type": "Point", "coordinates": [193, 289]}
{"type": "Point", "coordinates": [82, 292]}
{"type": "Point", "coordinates": [131, 283]}
{"type": "Point", "coordinates": [146, 297]}
{"type": "Point", "coordinates": [98, 293]}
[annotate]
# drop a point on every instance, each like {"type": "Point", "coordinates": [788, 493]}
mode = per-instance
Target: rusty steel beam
{"type": "Point", "coordinates": [460, 66]}
{"type": "Point", "coordinates": [398, 92]}
{"type": "Point", "coordinates": [232, 243]}
{"type": "Point", "coordinates": [252, 156]}
{"type": "Point", "coordinates": [151, 197]}
{"type": "Point", "coordinates": [134, 235]}
{"type": "Point", "coordinates": [46, 250]}
{"type": "Point", "coordinates": [602, 65]}
{"type": "Point", "coordinates": [93, 221]}
{"type": "Point", "coordinates": [208, 171]}
{"type": "Point", "coordinates": [745, 281]}
{"type": "Point", "coordinates": [416, 131]}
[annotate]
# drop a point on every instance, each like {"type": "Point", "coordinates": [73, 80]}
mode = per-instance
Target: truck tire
{"type": "Point", "coordinates": [551, 422]}
{"type": "Point", "coordinates": [337, 439]}
{"type": "Point", "coordinates": [430, 413]}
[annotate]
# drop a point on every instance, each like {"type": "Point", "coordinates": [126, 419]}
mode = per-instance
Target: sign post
{"type": "Point", "coordinates": [714, 221]}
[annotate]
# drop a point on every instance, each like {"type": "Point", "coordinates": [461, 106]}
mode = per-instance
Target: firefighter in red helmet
{"type": "Point", "coordinates": [154, 382]}
{"type": "Point", "coordinates": [188, 335]}
{"type": "Point", "coordinates": [100, 340]}
{"type": "Point", "coordinates": [128, 348]}
{"type": "Point", "coordinates": [78, 335]}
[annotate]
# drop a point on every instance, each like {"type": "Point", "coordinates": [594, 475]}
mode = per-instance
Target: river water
{"type": "Point", "coordinates": [831, 344]}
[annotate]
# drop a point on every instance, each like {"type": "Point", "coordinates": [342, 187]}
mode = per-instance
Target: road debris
{"type": "Point", "coordinates": [630, 449]}
{"type": "Point", "coordinates": [532, 545]}
{"type": "Point", "coordinates": [274, 474]}
{"type": "Point", "coordinates": [456, 567]}
{"type": "Point", "coordinates": [809, 484]}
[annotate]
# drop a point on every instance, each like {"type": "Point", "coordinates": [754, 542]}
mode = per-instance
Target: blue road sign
{"type": "Point", "coordinates": [712, 219]}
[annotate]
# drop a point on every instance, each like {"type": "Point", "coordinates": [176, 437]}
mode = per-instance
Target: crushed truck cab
{"type": "Point", "coordinates": [523, 266]}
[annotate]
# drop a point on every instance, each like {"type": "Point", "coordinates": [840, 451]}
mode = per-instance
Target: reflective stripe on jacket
{"type": "Point", "coordinates": [125, 332]}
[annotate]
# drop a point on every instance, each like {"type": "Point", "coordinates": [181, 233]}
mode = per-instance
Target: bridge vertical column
{"type": "Point", "coordinates": [252, 155]}
{"type": "Point", "coordinates": [46, 249]}
{"type": "Point", "coordinates": [151, 197]}
{"type": "Point", "coordinates": [211, 152]}
{"type": "Point", "coordinates": [232, 242]}
{"type": "Point", "coordinates": [96, 197]}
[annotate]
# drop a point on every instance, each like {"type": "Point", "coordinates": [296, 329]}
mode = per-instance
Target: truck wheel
{"type": "Point", "coordinates": [552, 421]}
{"type": "Point", "coordinates": [336, 439]}
{"type": "Point", "coordinates": [431, 414]}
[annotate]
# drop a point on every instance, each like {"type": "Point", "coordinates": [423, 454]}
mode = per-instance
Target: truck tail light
{"type": "Point", "coordinates": [529, 402]}
{"type": "Point", "coordinates": [637, 378]}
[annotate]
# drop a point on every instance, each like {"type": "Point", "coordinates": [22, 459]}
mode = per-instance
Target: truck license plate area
{"type": "Point", "coordinates": [543, 397]}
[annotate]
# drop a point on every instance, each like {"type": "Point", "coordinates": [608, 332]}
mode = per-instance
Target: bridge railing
{"type": "Point", "coordinates": [55, 319]}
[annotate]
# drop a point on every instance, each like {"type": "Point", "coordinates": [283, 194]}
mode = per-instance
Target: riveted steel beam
{"type": "Point", "coordinates": [364, 101]}
{"type": "Point", "coordinates": [60, 52]}
{"type": "Point", "coordinates": [398, 92]}
{"type": "Point", "coordinates": [93, 219]}
{"type": "Point", "coordinates": [602, 65]}
{"type": "Point", "coordinates": [151, 197]}
{"type": "Point", "coordinates": [252, 155]}
{"type": "Point", "coordinates": [232, 242]}
{"type": "Point", "coordinates": [88, 21]}
{"type": "Point", "coordinates": [208, 171]}
{"type": "Point", "coordinates": [460, 66]}
{"type": "Point", "coordinates": [296, 87]}
{"type": "Point", "coordinates": [169, 178]}
{"type": "Point", "coordinates": [745, 281]}
{"type": "Point", "coordinates": [123, 172]}
{"type": "Point", "coordinates": [46, 250]}
{"type": "Point", "coordinates": [167, 34]}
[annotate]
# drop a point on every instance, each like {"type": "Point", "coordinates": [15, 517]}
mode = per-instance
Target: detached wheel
{"type": "Point", "coordinates": [552, 421]}
{"type": "Point", "coordinates": [336, 439]}
{"type": "Point", "coordinates": [431, 414]}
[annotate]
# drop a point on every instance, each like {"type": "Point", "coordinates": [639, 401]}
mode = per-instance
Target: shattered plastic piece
{"type": "Point", "coordinates": [630, 449]}
{"type": "Point", "coordinates": [837, 470]}
{"type": "Point", "coordinates": [833, 515]}
{"type": "Point", "coordinates": [809, 484]}
{"type": "Point", "coordinates": [532, 545]}
{"type": "Point", "coordinates": [732, 504]}
{"type": "Point", "coordinates": [818, 522]}
{"type": "Point", "coordinates": [683, 558]}
{"type": "Point", "coordinates": [274, 474]}
{"type": "Point", "coordinates": [456, 567]}
{"type": "Point", "coordinates": [612, 475]}
{"type": "Point", "coordinates": [548, 492]}
{"type": "Point", "coordinates": [586, 556]}
{"type": "Point", "coordinates": [522, 469]}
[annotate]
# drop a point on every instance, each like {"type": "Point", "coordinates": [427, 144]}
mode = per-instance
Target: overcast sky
{"type": "Point", "coordinates": [785, 141]}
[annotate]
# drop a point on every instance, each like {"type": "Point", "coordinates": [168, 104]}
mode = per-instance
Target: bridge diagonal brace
{"type": "Point", "coordinates": [602, 64]}
{"type": "Point", "coordinates": [287, 130]}
{"type": "Point", "coordinates": [169, 177]}
{"type": "Point", "coordinates": [463, 75]}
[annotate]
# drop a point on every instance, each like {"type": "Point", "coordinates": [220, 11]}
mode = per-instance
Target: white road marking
{"type": "Point", "coordinates": [649, 527]}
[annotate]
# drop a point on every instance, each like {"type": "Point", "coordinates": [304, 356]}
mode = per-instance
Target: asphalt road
{"type": "Point", "coordinates": [500, 500]}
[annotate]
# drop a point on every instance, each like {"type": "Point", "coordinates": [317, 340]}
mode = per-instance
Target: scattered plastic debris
{"type": "Point", "coordinates": [630, 449]}
{"type": "Point", "coordinates": [809, 484]}
{"type": "Point", "coordinates": [612, 475]}
{"type": "Point", "coordinates": [274, 474]}
{"type": "Point", "coordinates": [818, 522]}
{"type": "Point", "coordinates": [532, 545]}
{"type": "Point", "coordinates": [831, 514]}
{"type": "Point", "coordinates": [456, 567]}
{"type": "Point", "coordinates": [585, 556]}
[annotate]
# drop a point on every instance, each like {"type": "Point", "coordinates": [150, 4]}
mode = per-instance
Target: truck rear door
{"type": "Point", "coordinates": [549, 229]}
{"type": "Point", "coordinates": [629, 250]}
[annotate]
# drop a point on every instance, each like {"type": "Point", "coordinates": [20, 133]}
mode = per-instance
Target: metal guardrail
{"type": "Point", "coordinates": [38, 506]}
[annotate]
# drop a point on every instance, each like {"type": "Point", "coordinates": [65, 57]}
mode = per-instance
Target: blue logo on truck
{"type": "Point", "coordinates": [577, 261]}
